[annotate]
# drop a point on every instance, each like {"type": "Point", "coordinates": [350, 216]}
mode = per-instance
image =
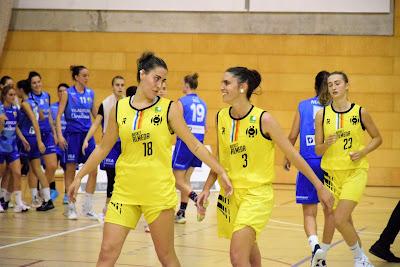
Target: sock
{"type": "Point", "coordinates": [183, 206]}
{"type": "Point", "coordinates": [53, 185]}
{"type": "Point", "coordinates": [87, 203]}
{"type": "Point", "coordinates": [34, 193]}
{"type": "Point", "coordinates": [18, 198]}
{"type": "Point", "coordinates": [325, 247]}
{"type": "Point", "coordinates": [6, 195]}
{"type": "Point", "coordinates": [357, 250]}
{"type": "Point", "coordinates": [193, 196]}
{"type": "Point", "coordinates": [45, 193]}
{"type": "Point", "coordinates": [312, 241]}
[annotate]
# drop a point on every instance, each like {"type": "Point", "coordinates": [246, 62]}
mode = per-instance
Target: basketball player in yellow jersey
{"type": "Point", "coordinates": [144, 181]}
{"type": "Point", "coordinates": [339, 134]}
{"type": "Point", "coordinates": [246, 147]}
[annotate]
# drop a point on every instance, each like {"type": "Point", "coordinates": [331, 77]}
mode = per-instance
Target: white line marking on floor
{"type": "Point", "coordinates": [49, 236]}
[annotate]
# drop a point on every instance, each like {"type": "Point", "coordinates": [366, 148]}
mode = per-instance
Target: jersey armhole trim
{"type": "Point", "coordinates": [362, 124]}
{"type": "Point", "coordinates": [116, 112]}
{"type": "Point", "coordinates": [262, 133]}
{"type": "Point", "coordinates": [169, 128]}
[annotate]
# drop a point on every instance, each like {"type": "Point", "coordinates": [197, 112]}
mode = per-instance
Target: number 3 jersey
{"type": "Point", "coordinates": [143, 170]}
{"type": "Point", "coordinates": [348, 128]}
{"type": "Point", "coordinates": [246, 154]}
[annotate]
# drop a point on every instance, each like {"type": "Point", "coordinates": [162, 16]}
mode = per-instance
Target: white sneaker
{"type": "Point", "coordinates": [318, 257]}
{"type": "Point", "coordinates": [362, 262]}
{"type": "Point", "coordinates": [71, 212]}
{"type": "Point", "coordinates": [21, 208]}
{"type": "Point", "coordinates": [91, 215]}
{"type": "Point", "coordinates": [36, 202]}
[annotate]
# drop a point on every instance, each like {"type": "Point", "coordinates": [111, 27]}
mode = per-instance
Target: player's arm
{"type": "Point", "coordinates": [99, 153]}
{"type": "Point", "coordinates": [321, 145]}
{"type": "Point", "coordinates": [61, 108]}
{"type": "Point", "coordinates": [178, 125]}
{"type": "Point", "coordinates": [272, 128]}
{"type": "Point", "coordinates": [294, 133]}
{"type": "Point", "coordinates": [376, 138]}
{"type": "Point", "coordinates": [28, 111]}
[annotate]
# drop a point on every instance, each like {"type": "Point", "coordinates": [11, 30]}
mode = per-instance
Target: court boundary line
{"type": "Point", "coordinates": [50, 236]}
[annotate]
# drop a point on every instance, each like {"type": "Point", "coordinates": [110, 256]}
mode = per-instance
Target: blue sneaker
{"type": "Point", "coordinates": [65, 199]}
{"type": "Point", "coordinates": [53, 194]}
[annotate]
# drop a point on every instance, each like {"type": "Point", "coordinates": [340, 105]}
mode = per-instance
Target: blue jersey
{"type": "Point", "coordinates": [54, 111]}
{"type": "Point", "coordinates": [307, 110]}
{"type": "Point", "coordinates": [78, 110]}
{"type": "Point", "coordinates": [195, 114]}
{"type": "Point", "coordinates": [43, 101]}
{"type": "Point", "coordinates": [8, 136]}
{"type": "Point", "coordinates": [24, 123]}
{"type": "Point", "coordinates": [1, 108]}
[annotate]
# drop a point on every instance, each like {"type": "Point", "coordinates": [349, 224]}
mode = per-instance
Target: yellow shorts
{"type": "Point", "coordinates": [246, 207]}
{"type": "Point", "coordinates": [346, 184]}
{"type": "Point", "coordinates": [128, 215]}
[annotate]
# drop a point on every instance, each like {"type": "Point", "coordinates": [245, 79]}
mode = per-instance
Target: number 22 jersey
{"type": "Point", "coordinates": [143, 170]}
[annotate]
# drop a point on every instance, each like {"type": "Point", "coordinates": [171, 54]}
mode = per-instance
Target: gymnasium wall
{"type": "Point", "coordinates": [288, 64]}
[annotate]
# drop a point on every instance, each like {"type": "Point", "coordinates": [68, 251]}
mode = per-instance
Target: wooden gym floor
{"type": "Point", "coordinates": [49, 239]}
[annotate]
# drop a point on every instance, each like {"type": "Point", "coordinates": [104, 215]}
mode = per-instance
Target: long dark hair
{"type": "Point", "coordinates": [147, 62]}
{"type": "Point", "coordinates": [245, 75]}
{"type": "Point", "coordinates": [321, 87]}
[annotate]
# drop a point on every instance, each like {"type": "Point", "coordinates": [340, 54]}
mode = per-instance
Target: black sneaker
{"type": "Point", "coordinates": [5, 205]}
{"type": "Point", "coordinates": [46, 206]}
{"type": "Point", "coordinates": [384, 253]}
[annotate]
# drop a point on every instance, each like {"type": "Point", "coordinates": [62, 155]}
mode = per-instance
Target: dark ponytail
{"type": "Point", "coordinates": [192, 80]}
{"type": "Point", "coordinates": [24, 85]}
{"type": "Point", "coordinates": [147, 62]}
{"type": "Point", "coordinates": [321, 87]}
{"type": "Point", "coordinates": [245, 75]}
{"type": "Point", "coordinates": [75, 70]}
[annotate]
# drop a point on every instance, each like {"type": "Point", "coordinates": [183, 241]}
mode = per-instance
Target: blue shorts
{"type": "Point", "coordinates": [48, 141]}
{"type": "Point", "coordinates": [183, 158]}
{"type": "Point", "coordinates": [34, 153]}
{"type": "Point", "coordinates": [305, 191]}
{"type": "Point", "coordinates": [9, 157]}
{"type": "Point", "coordinates": [74, 149]}
{"type": "Point", "coordinates": [111, 159]}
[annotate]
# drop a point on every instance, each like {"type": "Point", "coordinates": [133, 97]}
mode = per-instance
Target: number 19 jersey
{"type": "Point", "coordinates": [143, 170]}
{"type": "Point", "coordinates": [246, 154]}
{"type": "Point", "coordinates": [348, 128]}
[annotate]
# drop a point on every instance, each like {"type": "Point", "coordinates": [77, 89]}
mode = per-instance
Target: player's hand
{"type": "Point", "coordinates": [356, 155]}
{"type": "Point", "coordinates": [326, 198]}
{"type": "Point", "coordinates": [62, 143]}
{"type": "Point", "coordinates": [55, 139]}
{"type": "Point", "coordinates": [73, 190]}
{"type": "Point", "coordinates": [286, 164]}
{"type": "Point", "coordinates": [84, 146]}
{"type": "Point", "coordinates": [331, 139]}
{"type": "Point", "coordinates": [42, 147]}
{"type": "Point", "coordinates": [226, 184]}
{"type": "Point", "coordinates": [201, 204]}
{"type": "Point", "coordinates": [26, 145]}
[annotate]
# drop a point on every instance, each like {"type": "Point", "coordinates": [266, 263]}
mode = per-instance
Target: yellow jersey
{"type": "Point", "coordinates": [349, 130]}
{"type": "Point", "coordinates": [143, 170]}
{"type": "Point", "coordinates": [246, 154]}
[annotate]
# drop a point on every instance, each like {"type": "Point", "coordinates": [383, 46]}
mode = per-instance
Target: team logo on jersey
{"type": "Point", "coordinates": [156, 120]}
{"type": "Point", "coordinates": [253, 119]}
{"type": "Point", "coordinates": [223, 130]}
{"type": "Point", "coordinates": [89, 99]}
{"type": "Point", "coordinates": [354, 120]}
{"type": "Point", "coordinates": [157, 109]}
{"type": "Point", "coordinates": [251, 132]}
{"type": "Point", "coordinates": [123, 120]}
{"type": "Point", "coordinates": [328, 121]}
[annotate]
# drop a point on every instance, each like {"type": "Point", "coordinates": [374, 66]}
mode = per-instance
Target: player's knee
{"type": "Point", "coordinates": [237, 257]}
{"type": "Point", "coordinates": [108, 252]}
{"type": "Point", "coordinates": [166, 256]}
{"type": "Point", "coordinates": [340, 221]}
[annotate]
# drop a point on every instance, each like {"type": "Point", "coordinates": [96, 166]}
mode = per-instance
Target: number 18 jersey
{"type": "Point", "coordinates": [143, 170]}
{"type": "Point", "coordinates": [246, 154]}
